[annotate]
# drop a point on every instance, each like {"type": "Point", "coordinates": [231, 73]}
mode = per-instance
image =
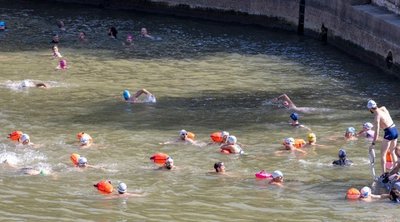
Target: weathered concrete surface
{"type": "Point", "coordinates": [357, 27]}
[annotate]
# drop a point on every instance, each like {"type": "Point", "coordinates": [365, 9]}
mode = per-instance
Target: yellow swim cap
{"type": "Point", "coordinates": [311, 137]}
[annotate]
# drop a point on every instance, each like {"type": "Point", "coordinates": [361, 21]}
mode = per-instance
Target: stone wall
{"type": "Point", "coordinates": [357, 27]}
{"type": "Point", "coordinates": [392, 5]}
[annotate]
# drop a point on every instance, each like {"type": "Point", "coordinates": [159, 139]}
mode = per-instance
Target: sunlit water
{"type": "Point", "coordinates": [206, 77]}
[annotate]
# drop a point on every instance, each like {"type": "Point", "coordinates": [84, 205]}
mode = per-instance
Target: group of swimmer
{"type": "Point", "coordinates": [390, 150]}
{"type": "Point", "coordinates": [228, 143]}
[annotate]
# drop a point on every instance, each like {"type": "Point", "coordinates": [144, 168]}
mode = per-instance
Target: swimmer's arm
{"type": "Point", "coordinates": [305, 127]}
{"type": "Point", "coordinates": [287, 99]}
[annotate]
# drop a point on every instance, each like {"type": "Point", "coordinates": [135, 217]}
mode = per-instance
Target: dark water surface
{"type": "Point", "coordinates": [206, 77]}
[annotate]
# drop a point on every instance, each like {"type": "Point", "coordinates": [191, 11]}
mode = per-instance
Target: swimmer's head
{"type": "Point", "coordinates": [342, 153]}
{"type": "Point", "coordinates": [126, 94]}
{"type": "Point", "coordinates": [219, 167]}
{"type": "Point", "coordinates": [294, 116]}
{"type": "Point", "coordinates": [82, 161]}
{"type": "Point", "coordinates": [371, 104]}
{"type": "Point", "coordinates": [143, 31]}
{"type": "Point", "coordinates": [56, 38]}
{"type": "Point", "coordinates": [25, 84]}
{"type": "Point", "coordinates": [288, 141]}
{"type": "Point", "coordinates": [85, 139]}
{"type": "Point", "coordinates": [2, 25]}
{"type": "Point", "coordinates": [129, 38]}
{"type": "Point", "coordinates": [63, 64]}
{"type": "Point", "coordinates": [55, 48]}
{"type": "Point", "coordinates": [365, 192]}
{"type": "Point", "coordinates": [169, 163]}
{"type": "Point", "coordinates": [232, 140]}
{"type": "Point", "coordinates": [183, 133]}
{"type": "Point", "coordinates": [312, 137]}
{"type": "Point", "coordinates": [285, 103]}
{"type": "Point", "coordinates": [122, 187]}
{"type": "Point", "coordinates": [82, 35]}
{"type": "Point", "coordinates": [24, 139]}
{"type": "Point", "coordinates": [277, 175]}
{"type": "Point", "coordinates": [351, 131]}
{"type": "Point", "coordinates": [368, 125]}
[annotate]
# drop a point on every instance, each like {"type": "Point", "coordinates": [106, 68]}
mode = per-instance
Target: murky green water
{"type": "Point", "coordinates": [206, 77]}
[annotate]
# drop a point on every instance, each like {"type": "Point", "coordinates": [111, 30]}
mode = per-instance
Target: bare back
{"type": "Point", "coordinates": [383, 118]}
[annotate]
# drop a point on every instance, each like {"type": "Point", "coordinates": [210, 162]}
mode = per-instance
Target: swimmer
{"type": "Point", "coordinates": [145, 34]}
{"type": "Point", "coordinates": [62, 65]}
{"type": "Point", "coordinates": [28, 170]}
{"type": "Point", "coordinates": [367, 131]}
{"type": "Point", "coordinates": [29, 83]}
{"type": "Point", "coordinates": [83, 163]}
{"type": "Point", "coordinates": [231, 146]}
{"type": "Point", "coordinates": [219, 168]}
{"type": "Point", "coordinates": [55, 39]}
{"type": "Point", "coordinates": [384, 121]}
{"type": "Point", "coordinates": [134, 99]}
{"type": "Point", "coordinates": [82, 37]}
{"type": "Point", "coordinates": [288, 144]}
{"type": "Point", "coordinates": [342, 161]}
{"type": "Point", "coordinates": [183, 137]}
{"type": "Point", "coordinates": [122, 192]}
{"type": "Point", "coordinates": [295, 121]}
{"type": "Point", "coordinates": [367, 196]}
{"type": "Point", "coordinates": [350, 134]}
{"type": "Point", "coordinates": [56, 53]}
{"type": "Point", "coordinates": [277, 178]}
{"type": "Point", "coordinates": [85, 140]}
{"type": "Point", "coordinates": [3, 26]}
{"type": "Point", "coordinates": [128, 40]}
{"type": "Point", "coordinates": [61, 25]}
{"type": "Point", "coordinates": [112, 32]}
{"type": "Point", "coordinates": [288, 104]}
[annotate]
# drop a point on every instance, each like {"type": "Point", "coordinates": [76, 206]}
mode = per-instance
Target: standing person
{"type": "Point", "coordinates": [384, 121]}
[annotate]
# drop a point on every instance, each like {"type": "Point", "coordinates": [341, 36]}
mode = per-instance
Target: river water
{"type": "Point", "coordinates": [207, 77]}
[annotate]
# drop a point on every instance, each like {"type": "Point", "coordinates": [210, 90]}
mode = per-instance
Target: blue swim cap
{"type": "Point", "coordinates": [2, 24]}
{"type": "Point", "coordinates": [342, 153]}
{"type": "Point", "coordinates": [351, 130]}
{"type": "Point", "coordinates": [126, 94]}
{"type": "Point", "coordinates": [294, 116]}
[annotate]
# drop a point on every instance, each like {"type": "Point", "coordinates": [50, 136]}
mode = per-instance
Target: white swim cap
{"type": "Point", "coordinates": [224, 133]}
{"type": "Point", "coordinates": [351, 130]}
{"type": "Point", "coordinates": [84, 139]}
{"type": "Point", "coordinates": [169, 162]}
{"type": "Point", "coordinates": [82, 161]}
{"type": "Point", "coordinates": [183, 133]}
{"type": "Point", "coordinates": [232, 139]}
{"type": "Point", "coordinates": [368, 125]}
{"type": "Point", "coordinates": [25, 83]}
{"type": "Point", "coordinates": [365, 192]}
{"type": "Point", "coordinates": [24, 137]}
{"type": "Point", "coordinates": [371, 104]}
{"type": "Point", "coordinates": [289, 141]}
{"type": "Point", "coordinates": [122, 187]}
{"type": "Point", "coordinates": [277, 173]}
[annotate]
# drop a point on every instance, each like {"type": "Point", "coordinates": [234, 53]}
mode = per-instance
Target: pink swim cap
{"type": "Point", "coordinates": [63, 64]}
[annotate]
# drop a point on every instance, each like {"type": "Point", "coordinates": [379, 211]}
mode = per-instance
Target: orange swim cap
{"type": "Point", "coordinates": [216, 137]}
{"type": "Point", "coordinates": [299, 143]}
